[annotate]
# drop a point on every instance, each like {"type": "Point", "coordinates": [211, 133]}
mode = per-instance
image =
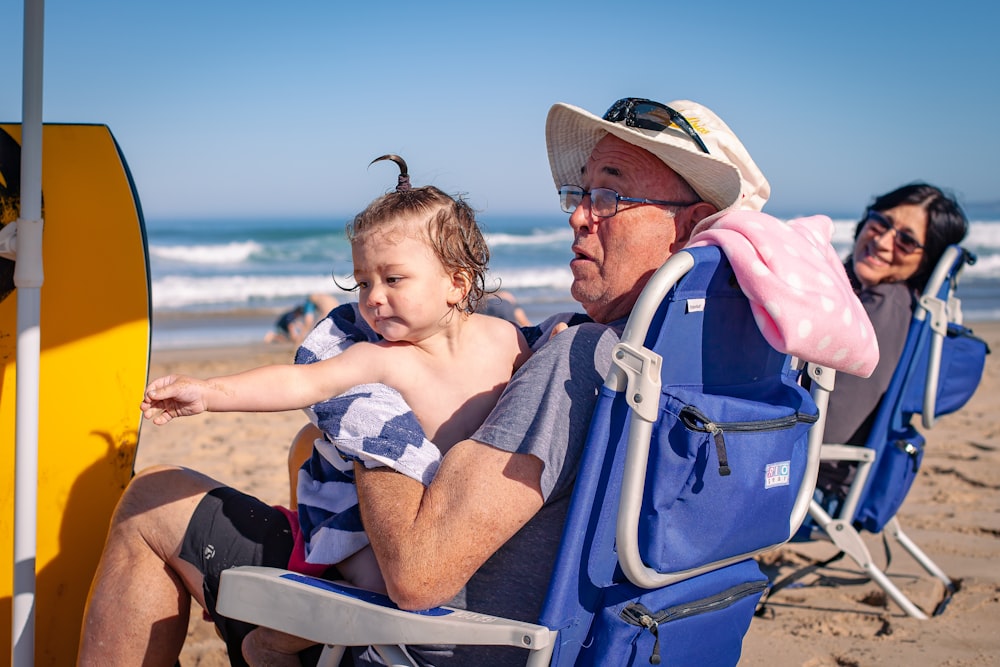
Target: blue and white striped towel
{"type": "Point", "coordinates": [370, 423]}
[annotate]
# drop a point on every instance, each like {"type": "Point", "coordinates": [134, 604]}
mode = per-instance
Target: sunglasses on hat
{"type": "Point", "coordinates": [650, 115]}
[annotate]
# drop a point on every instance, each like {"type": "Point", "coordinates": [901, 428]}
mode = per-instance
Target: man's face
{"type": "Point", "coordinates": [614, 257]}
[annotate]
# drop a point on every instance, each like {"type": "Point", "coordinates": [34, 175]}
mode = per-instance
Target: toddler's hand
{"type": "Point", "coordinates": [173, 396]}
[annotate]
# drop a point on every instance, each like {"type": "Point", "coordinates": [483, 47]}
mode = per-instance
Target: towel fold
{"type": "Point", "coordinates": [340, 329]}
{"type": "Point", "coordinates": [370, 423]}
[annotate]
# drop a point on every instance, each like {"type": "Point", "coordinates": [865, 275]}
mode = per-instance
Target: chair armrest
{"type": "Point", "coordinates": [337, 614]}
{"type": "Point", "coordinates": [865, 457]}
{"type": "Point", "coordinates": [846, 453]}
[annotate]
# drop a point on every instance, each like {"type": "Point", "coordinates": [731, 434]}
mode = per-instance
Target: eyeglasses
{"type": "Point", "coordinates": [604, 201]}
{"type": "Point", "coordinates": [650, 115]}
{"type": "Point", "coordinates": [904, 240]}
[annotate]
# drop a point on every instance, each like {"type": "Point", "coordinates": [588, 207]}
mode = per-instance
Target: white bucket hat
{"type": "Point", "coordinates": [726, 176]}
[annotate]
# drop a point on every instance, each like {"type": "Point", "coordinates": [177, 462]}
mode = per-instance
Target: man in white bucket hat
{"type": "Point", "coordinates": [636, 182]}
{"type": "Point", "coordinates": [484, 534]}
{"type": "Point", "coordinates": [688, 137]}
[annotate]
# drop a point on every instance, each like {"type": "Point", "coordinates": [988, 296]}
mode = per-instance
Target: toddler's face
{"type": "Point", "coordinates": [404, 292]}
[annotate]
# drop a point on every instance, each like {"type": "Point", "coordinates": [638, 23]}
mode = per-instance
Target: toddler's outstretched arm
{"type": "Point", "coordinates": [265, 389]}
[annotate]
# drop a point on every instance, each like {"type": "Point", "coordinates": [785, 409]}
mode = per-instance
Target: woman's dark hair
{"type": "Point", "coordinates": [452, 230]}
{"type": "Point", "coordinates": [946, 223]}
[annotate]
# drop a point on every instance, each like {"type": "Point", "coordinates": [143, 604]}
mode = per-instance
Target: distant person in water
{"type": "Point", "coordinates": [502, 304]}
{"type": "Point", "coordinates": [293, 325]}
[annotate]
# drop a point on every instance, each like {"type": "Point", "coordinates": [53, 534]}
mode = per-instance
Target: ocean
{"type": "Point", "coordinates": [224, 282]}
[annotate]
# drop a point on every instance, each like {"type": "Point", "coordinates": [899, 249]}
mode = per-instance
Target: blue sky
{"type": "Point", "coordinates": [249, 108]}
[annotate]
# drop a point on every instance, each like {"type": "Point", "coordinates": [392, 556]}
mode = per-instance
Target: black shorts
{"type": "Point", "coordinates": [230, 528]}
{"type": "Point", "coordinates": [227, 529]}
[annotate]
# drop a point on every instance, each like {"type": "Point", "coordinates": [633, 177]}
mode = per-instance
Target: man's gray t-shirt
{"type": "Point", "coordinates": [545, 412]}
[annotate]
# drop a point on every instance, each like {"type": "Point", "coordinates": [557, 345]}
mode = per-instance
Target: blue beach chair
{"type": "Point", "coordinates": [703, 452]}
{"type": "Point", "coordinates": [938, 371]}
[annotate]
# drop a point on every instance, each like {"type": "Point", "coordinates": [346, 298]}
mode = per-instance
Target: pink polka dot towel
{"type": "Point", "coordinates": [798, 290]}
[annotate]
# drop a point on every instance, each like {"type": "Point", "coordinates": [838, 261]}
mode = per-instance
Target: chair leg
{"type": "Point", "coordinates": [394, 656]}
{"type": "Point", "coordinates": [880, 578]}
{"type": "Point", "coordinates": [918, 555]}
{"type": "Point", "coordinates": [847, 538]}
{"type": "Point", "coordinates": [896, 531]}
{"type": "Point", "coordinates": [331, 656]}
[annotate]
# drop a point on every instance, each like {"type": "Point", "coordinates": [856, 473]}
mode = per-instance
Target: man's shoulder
{"type": "Point", "coordinates": [541, 334]}
{"type": "Point", "coordinates": [585, 345]}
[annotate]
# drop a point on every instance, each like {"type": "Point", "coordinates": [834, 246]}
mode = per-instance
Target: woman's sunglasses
{"type": "Point", "coordinates": [904, 240]}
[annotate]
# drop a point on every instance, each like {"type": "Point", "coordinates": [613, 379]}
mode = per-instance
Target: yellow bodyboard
{"type": "Point", "coordinates": [94, 333]}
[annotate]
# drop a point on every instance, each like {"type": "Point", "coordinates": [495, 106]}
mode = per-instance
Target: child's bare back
{"type": "Point", "coordinates": [451, 384]}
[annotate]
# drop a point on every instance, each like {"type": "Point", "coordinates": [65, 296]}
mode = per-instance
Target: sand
{"type": "Point", "coordinates": [836, 618]}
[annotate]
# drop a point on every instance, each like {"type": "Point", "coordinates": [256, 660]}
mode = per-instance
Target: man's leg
{"type": "Point", "coordinates": [265, 646]}
{"type": "Point", "coordinates": [139, 604]}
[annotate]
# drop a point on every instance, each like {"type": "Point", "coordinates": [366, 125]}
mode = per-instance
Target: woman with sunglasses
{"type": "Point", "coordinates": [896, 247]}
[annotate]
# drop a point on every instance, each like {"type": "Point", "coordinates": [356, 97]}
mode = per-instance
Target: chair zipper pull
{"type": "Point", "coordinates": [910, 450]}
{"type": "Point", "coordinates": [654, 659]}
{"type": "Point", "coordinates": [650, 624]}
{"type": "Point", "coordinates": [637, 614]}
{"type": "Point", "coordinates": [720, 448]}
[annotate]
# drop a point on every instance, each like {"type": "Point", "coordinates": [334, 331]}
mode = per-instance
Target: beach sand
{"type": "Point", "coordinates": [837, 618]}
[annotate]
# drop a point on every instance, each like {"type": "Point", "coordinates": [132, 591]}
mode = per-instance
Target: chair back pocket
{"type": "Point", "coordinates": [895, 470]}
{"type": "Point", "coordinates": [722, 477]}
{"type": "Point", "coordinates": [698, 621]}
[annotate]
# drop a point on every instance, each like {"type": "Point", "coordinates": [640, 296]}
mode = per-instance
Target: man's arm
{"type": "Point", "coordinates": [430, 541]}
